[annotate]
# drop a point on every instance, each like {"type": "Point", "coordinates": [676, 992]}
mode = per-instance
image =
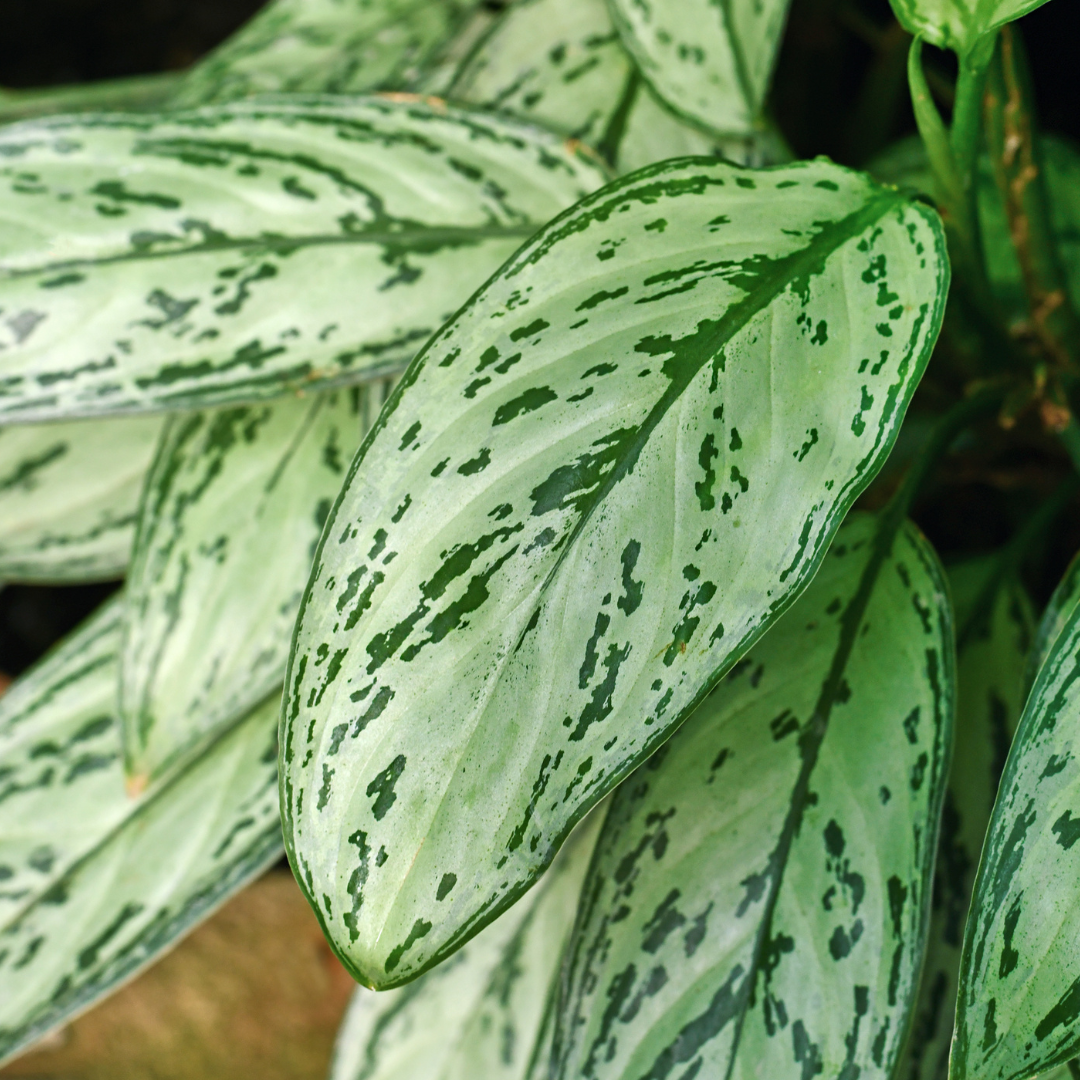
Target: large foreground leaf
{"type": "Point", "coordinates": [233, 509]}
{"type": "Point", "coordinates": [332, 46]}
{"type": "Point", "coordinates": [69, 493]}
{"type": "Point", "coordinates": [710, 62]}
{"type": "Point", "coordinates": [758, 898]}
{"type": "Point", "coordinates": [186, 847]}
{"type": "Point", "coordinates": [61, 777]}
{"type": "Point", "coordinates": [958, 24]}
{"type": "Point", "coordinates": [480, 1014]}
{"type": "Point", "coordinates": [1018, 1007]}
{"type": "Point", "coordinates": [560, 63]}
{"type": "Point", "coordinates": [591, 492]}
{"type": "Point", "coordinates": [992, 651]}
{"type": "Point", "coordinates": [251, 248]}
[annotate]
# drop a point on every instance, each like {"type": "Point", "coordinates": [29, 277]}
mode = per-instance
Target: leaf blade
{"type": "Point", "coordinates": [201, 272]}
{"type": "Point", "coordinates": [702, 947]}
{"type": "Point", "coordinates": [69, 493]}
{"type": "Point", "coordinates": [234, 505]}
{"type": "Point", "coordinates": [383, 641]}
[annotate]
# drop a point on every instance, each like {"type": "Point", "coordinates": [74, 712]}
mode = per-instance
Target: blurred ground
{"type": "Point", "coordinates": [253, 994]}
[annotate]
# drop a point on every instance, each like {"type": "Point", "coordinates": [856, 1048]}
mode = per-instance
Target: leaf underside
{"type": "Point", "coordinates": [757, 903]}
{"type": "Point", "coordinates": [590, 494]}
{"type": "Point", "coordinates": [958, 24]}
{"type": "Point", "coordinates": [251, 249]}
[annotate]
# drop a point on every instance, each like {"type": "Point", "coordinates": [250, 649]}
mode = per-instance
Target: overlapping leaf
{"type": "Point", "coordinates": [710, 62]}
{"type": "Point", "coordinates": [69, 493]}
{"type": "Point", "coordinates": [1058, 611]}
{"type": "Point", "coordinates": [959, 24]}
{"type": "Point", "coordinates": [758, 898]}
{"type": "Point", "coordinates": [232, 253]}
{"type": "Point", "coordinates": [588, 496]}
{"type": "Point", "coordinates": [480, 1014]}
{"type": "Point", "coordinates": [331, 46]}
{"type": "Point", "coordinates": [1018, 1007]}
{"type": "Point", "coordinates": [61, 776]}
{"type": "Point", "coordinates": [233, 509]}
{"type": "Point", "coordinates": [560, 63]}
{"type": "Point", "coordinates": [905, 163]}
{"type": "Point", "coordinates": [990, 663]}
{"type": "Point", "coordinates": [175, 856]}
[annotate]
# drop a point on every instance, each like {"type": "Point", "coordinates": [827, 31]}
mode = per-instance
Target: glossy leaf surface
{"type": "Point", "coordinates": [989, 689]}
{"type": "Point", "coordinates": [188, 845]}
{"type": "Point", "coordinates": [69, 493]}
{"type": "Point", "coordinates": [1018, 1009]}
{"type": "Point", "coordinates": [61, 775]}
{"type": "Point", "coordinates": [588, 496]}
{"type": "Point", "coordinates": [757, 902]}
{"type": "Point", "coordinates": [252, 248]}
{"type": "Point", "coordinates": [480, 1013]}
{"type": "Point", "coordinates": [324, 46]}
{"type": "Point", "coordinates": [958, 24]}
{"type": "Point", "coordinates": [710, 62]}
{"type": "Point", "coordinates": [560, 64]}
{"type": "Point", "coordinates": [1058, 611]}
{"type": "Point", "coordinates": [234, 506]}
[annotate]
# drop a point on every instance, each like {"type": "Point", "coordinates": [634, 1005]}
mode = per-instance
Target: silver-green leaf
{"type": "Point", "coordinates": [61, 775]}
{"type": "Point", "coordinates": [324, 46]}
{"type": "Point", "coordinates": [710, 62]}
{"type": "Point", "coordinates": [560, 63]}
{"type": "Point", "coordinates": [593, 490]}
{"type": "Point", "coordinates": [992, 648]}
{"type": "Point", "coordinates": [959, 24]}
{"type": "Point", "coordinates": [176, 855]}
{"type": "Point", "coordinates": [69, 493]}
{"type": "Point", "coordinates": [481, 1014]}
{"type": "Point", "coordinates": [757, 903]}
{"type": "Point", "coordinates": [1018, 1006]}
{"type": "Point", "coordinates": [230, 254]}
{"type": "Point", "coordinates": [234, 506]}
{"type": "Point", "coordinates": [1059, 610]}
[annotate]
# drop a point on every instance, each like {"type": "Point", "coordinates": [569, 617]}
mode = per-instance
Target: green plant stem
{"type": "Point", "coordinates": [1009, 559]}
{"type": "Point", "coordinates": [1014, 150]}
{"type": "Point", "coordinates": [1070, 440]}
{"type": "Point", "coordinates": [140, 92]}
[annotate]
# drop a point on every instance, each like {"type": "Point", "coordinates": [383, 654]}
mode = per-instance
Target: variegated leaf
{"type": "Point", "coordinates": [61, 775]}
{"type": "Point", "coordinates": [234, 506]}
{"type": "Point", "coordinates": [1018, 1005]}
{"type": "Point", "coordinates": [757, 903]}
{"type": "Point", "coordinates": [587, 497]}
{"type": "Point", "coordinates": [1058, 611]}
{"type": "Point", "coordinates": [989, 676]}
{"type": "Point", "coordinates": [252, 248]}
{"type": "Point", "coordinates": [710, 62]}
{"type": "Point", "coordinates": [959, 24]}
{"type": "Point", "coordinates": [69, 493]}
{"type": "Point", "coordinates": [186, 847]}
{"type": "Point", "coordinates": [324, 46]}
{"type": "Point", "coordinates": [480, 1014]}
{"type": "Point", "coordinates": [560, 63]}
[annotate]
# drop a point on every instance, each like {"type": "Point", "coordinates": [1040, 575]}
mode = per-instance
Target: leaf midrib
{"type": "Point", "coordinates": [408, 239]}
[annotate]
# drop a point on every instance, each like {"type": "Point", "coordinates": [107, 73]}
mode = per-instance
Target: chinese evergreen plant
{"type": "Point", "coordinates": [477, 404]}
